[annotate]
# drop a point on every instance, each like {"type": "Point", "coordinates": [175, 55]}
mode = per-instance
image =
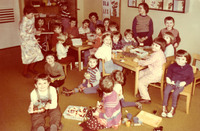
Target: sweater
{"type": "Point", "coordinates": [94, 76]}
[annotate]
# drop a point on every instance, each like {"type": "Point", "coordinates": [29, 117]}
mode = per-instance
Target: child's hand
{"type": "Point", "coordinates": [38, 32]}
{"type": "Point", "coordinates": [89, 85]}
{"type": "Point", "coordinates": [168, 80]}
{"type": "Point", "coordinates": [176, 45]}
{"type": "Point", "coordinates": [87, 76]}
{"type": "Point", "coordinates": [182, 83]}
{"type": "Point", "coordinates": [30, 109]}
{"type": "Point", "coordinates": [139, 105]}
{"type": "Point", "coordinates": [47, 106]}
{"type": "Point", "coordinates": [84, 80]}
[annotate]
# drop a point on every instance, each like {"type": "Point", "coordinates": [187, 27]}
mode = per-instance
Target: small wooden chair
{"type": "Point", "coordinates": [65, 67]}
{"type": "Point", "coordinates": [103, 68]}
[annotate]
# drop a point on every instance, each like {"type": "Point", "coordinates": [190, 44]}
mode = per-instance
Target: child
{"type": "Point", "coordinates": [105, 52]}
{"type": "Point", "coordinates": [179, 75]}
{"type": "Point", "coordinates": [44, 103]}
{"type": "Point", "coordinates": [62, 49]}
{"type": "Point", "coordinates": [94, 21]}
{"type": "Point", "coordinates": [57, 29]}
{"type": "Point", "coordinates": [40, 24]}
{"type": "Point", "coordinates": [169, 23]}
{"type": "Point", "coordinates": [30, 49]}
{"type": "Point", "coordinates": [113, 27]}
{"type": "Point", "coordinates": [90, 82]}
{"type": "Point", "coordinates": [169, 50]}
{"type": "Point", "coordinates": [97, 43]}
{"type": "Point", "coordinates": [54, 70]}
{"type": "Point", "coordinates": [110, 115]}
{"type": "Point", "coordinates": [106, 22]}
{"type": "Point", "coordinates": [118, 77]}
{"type": "Point", "coordinates": [128, 40]}
{"type": "Point", "coordinates": [84, 29]}
{"type": "Point", "coordinates": [72, 30]}
{"type": "Point", "coordinates": [116, 40]}
{"type": "Point", "coordinates": [154, 71]}
{"type": "Point", "coordinates": [142, 26]}
{"type": "Point", "coordinates": [65, 16]}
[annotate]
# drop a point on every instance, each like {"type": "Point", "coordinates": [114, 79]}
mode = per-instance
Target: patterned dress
{"type": "Point", "coordinates": [30, 49]}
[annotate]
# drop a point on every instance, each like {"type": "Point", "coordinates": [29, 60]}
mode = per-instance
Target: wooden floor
{"type": "Point", "coordinates": [15, 91]}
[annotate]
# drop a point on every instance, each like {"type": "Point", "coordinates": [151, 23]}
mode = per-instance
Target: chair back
{"type": "Point", "coordinates": [103, 68]}
{"type": "Point", "coordinates": [196, 57]}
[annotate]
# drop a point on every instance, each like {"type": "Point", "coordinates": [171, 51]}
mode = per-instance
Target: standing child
{"type": "Point", "coordinates": [118, 77]}
{"type": "Point", "coordinates": [54, 70]}
{"type": "Point", "coordinates": [84, 29]}
{"type": "Point", "coordinates": [57, 29]}
{"type": "Point", "coordinates": [30, 49]}
{"type": "Point", "coordinates": [128, 40]}
{"type": "Point", "coordinates": [154, 72]}
{"type": "Point", "coordinates": [142, 26]}
{"type": "Point", "coordinates": [72, 30]}
{"type": "Point", "coordinates": [169, 50]}
{"type": "Point", "coordinates": [179, 75]}
{"type": "Point", "coordinates": [105, 52]}
{"type": "Point", "coordinates": [44, 103]}
{"type": "Point", "coordinates": [110, 115]}
{"type": "Point", "coordinates": [169, 23]}
{"type": "Point", "coordinates": [90, 82]}
{"type": "Point", "coordinates": [116, 40]}
{"type": "Point", "coordinates": [65, 16]}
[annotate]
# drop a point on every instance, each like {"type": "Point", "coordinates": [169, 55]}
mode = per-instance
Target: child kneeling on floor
{"type": "Point", "coordinates": [44, 103]}
{"type": "Point", "coordinates": [90, 83]}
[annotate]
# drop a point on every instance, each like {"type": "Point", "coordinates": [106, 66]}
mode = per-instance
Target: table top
{"type": "Point", "coordinates": [84, 46]}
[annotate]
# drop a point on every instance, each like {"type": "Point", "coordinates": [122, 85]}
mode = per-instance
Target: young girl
{"type": "Point", "coordinates": [62, 49]}
{"type": "Point", "coordinates": [84, 29]}
{"type": "Point", "coordinates": [44, 103]}
{"type": "Point", "coordinates": [142, 26]}
{"type": "Point", "coordinates": [30, 49]}
{"type": "Point", "coordinates": [110, 115]}
{"type": "Point", "coordinates": [105, 52]}
{"type": "Point", "coordinates": [90, 83]}
{"type": "Point", "coordinates": [116, 40]}
{"type": "Point", "coordinates": [54, 70]}
{"type": "Point", "coordinates": [128, 39]}
{"type": "Point", "coordinates": [106, 23]}
{"type": "Point", "coordinates": [154, 71]}
{"type": "Point", "coordinates": [169, 50]}
{"type": "Point", "coordinates": [118, 77]}
{"type": "Point", "coordinates": [179, 75]}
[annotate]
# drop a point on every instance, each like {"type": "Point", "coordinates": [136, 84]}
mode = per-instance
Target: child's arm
{"type": "Point", "coordinates": [150, 60]}
{"type": "Point", "coordinates": [53, 95]}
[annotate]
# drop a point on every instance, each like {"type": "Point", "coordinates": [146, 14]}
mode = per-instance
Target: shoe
{"type": "Point", "coordinates": [160, 128]}
{"type": "Point", "coordinates": [27, 75]}
{"type": "Point", "coordinates": [66, 90]}
{"type": "Point", "coordinates": [67, 93]}
{"type": "Point", "coordinates": [164, 113]}
{"type": "Point", "coordinates": [171, 113]}
{"type": "Point", "coordinates": [139, 105]}
{"type": "Point", "coordinates": [144, 101]}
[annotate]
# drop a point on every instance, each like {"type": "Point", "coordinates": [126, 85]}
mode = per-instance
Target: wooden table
{"type": "Point", "coordinates": [127, 62]}
{"type": "Point", "coordinates": [80, 48]}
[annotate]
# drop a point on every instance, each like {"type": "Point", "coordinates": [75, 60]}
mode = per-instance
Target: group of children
{"type": "Point", "coordinates": [107, 40]}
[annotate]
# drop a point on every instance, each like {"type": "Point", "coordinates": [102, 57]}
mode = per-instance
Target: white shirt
{"type": "Point", "coordinates": [118, 89]}
{"type": "Point", "coordinates": [61, 51]}
{"type": "Point", "coordinates": [81, 30]}
{"type": "Point", "coordinates": [169, 50]}
{"type": "Point", "coordinates": [104, 52]}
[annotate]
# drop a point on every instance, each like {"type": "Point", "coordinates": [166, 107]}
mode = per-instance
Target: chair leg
{"type": "Point", "coordinates": [188, 103]}
{"type": "Point", "coordinates": [161, 93]}
{"type": "Point", "coordinates": [194, 86]}
{"type": "Point", "coordinates": [70, 66]}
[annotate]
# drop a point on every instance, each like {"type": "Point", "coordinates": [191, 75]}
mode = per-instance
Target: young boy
{"type": "Point", "coordinates": [44, 103]}
{"type": "Point", "coordinates": [72, 30]}
{"type": "Point", "coordinates": [116, 41]}
{"type": "Point", "coordinates": [179, 75]}
{"type": "Point", "coordinates": [90, 82]}
{"type": "Point", "coordinates": [84, 29]}
{"type": "Point", "coordinates": [54, 70]}
{"type": "Point", "coordinates": [128, 39]}
{"type": "Point", "coordinates": [169, 50]}
{"type": "Point", "coordinates": [57, 29]}
{"type": "Point", "coordinates": [169, 24]}
{"type": "Point", "coordinates": [113, 27]}
{"type": "Point", "coordinates": [65, 16]}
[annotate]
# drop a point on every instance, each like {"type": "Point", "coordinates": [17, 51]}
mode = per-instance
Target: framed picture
{"type": "Point", "coordinates": [161, 5]}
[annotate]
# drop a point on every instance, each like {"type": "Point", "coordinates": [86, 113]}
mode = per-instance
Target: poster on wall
{"type": "Point", "coordinates": [106, 8]}
{"type": "Point", "coordinates": [115, 8]}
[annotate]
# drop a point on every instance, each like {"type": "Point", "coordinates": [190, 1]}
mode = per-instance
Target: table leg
{"type": "Point", "coordinates": [136, 81]}
{"type": "Point", "coordinates": [79, 59]}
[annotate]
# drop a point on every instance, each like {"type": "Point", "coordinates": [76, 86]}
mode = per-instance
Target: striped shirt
{"type": "Point", "coordinates": [94, 75]}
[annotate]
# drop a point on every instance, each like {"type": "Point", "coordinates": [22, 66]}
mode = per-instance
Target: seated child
{"type": "Point", "coordinates": [106, 22]}
{"type": "Point", "coordinates": [105, 52]}
{"type": "Point", "coordinates": [72, 30]}
{"type": "Point", "coordinates": [179, 75]}
{"type": "Point", "coordinates": [113, 27]}
{"type": "Point", "coordinates": [57, 29]}
{"type": "Point", "coordinates": [110, 115]}
{"type": "Point", "coordinates": [54, 70]}
{"type": "Point", "coordinates": [169, 50]}
{"type": "Point", "coordinates": [44, 103]}
{"type": "Point", "coordinates": [116, 41]}
{"type": "Point", "coordinates": [128, 40]}
{"type": "Point", "coordinates": [118, 78]}
{"type": "Point", "coordinates": [84, 29]}
{"type": "Point", "coordinates": [90, 82]}
{"type": "Point", "coordinates": [154, 72]}
{"type": "Point", "coordinates": [62, 49]}
{"type": "Point", "coordinates": [169, 23]}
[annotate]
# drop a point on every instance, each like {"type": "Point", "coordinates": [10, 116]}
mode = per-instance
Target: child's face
{"type": "Point", "coordinates": [112, 29]}
{"type": "Point", "coordinates": [141, 10]}
{"type": "Point", "coordinates": [169, 24]}
{"type": "Point", "coordinates": [167, 39]}
{"type": "Point", "coordinates": [73, 23]}
{"type": "Point", "coordinates": [93, 19]}
{"type": "Point", "coordinates": [129, 37]}
{"type": "Point", "coordinates": [115, 38]}
{"type": "Point", "coordinates": [106, 23]}
{"type": "Point", "coordinates": [92, 63]}
{"type": "Point", "coordinates": [42, 85]}
{"type": "Point", "coordinates": [181, 61]}
{"type": "Point", "coordinates": [50, 59]}
{"type": "Point", "coordinates": [30, 15]}
{"type": "Point", "coordinates": [40, 22]}
{"type": "Point", "coordinates": [58, 30]}
{"type": "Point", "coordinates": [107, 40]}
{"type": "Point", "coordinates": [64, 7]}
{"type": "Point", "coordinates": [98, 31]}
{"type": "Point", "coordinates": [85, 25]}
{"type": "Point", "coordinates": [155, 47]}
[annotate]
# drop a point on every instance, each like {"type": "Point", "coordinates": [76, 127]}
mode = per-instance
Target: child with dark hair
{"type": "Point", "coordinates": [116, 41]}
{"type": "Point", "coordinates": [72, 30]}
{"type": "Point", "coordinates": [44, 103]}
{"type": "Point", "coordinates": [169, 50]}
{"type": "Point", "coordinates": [179, 75]}
{"type": "Point", "coordinates": [154, 72]}
{"type": "Point", "coordinates": [106, 23]}
{"type": "Point", "coordinates": [113, 26]}
{"type": "Point", "coordinates": [57, 29]}
{"type": "Point", "coordinates": [65, 16]}
{"type": "Point", "coordinates": [142, 26]}
{"type": "Point", "coordinates": [94, 21]}
{"type": "Point", "coordinates": [84, 29]}
{"type": "Point", "coordinates": [128, 40]}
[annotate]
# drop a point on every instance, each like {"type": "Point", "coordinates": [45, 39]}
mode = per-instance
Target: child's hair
{"type": "Point", "coordinates": [160, 41]}
{"type": "Point", "coordinates": [145, 6]}
{"type": "Point", "coordinates": [50, 53]}
{"type": "Point", "coordinates": [101, 27]}
{"type": "Point", "coordinates": [113, 24]}
{"type": "Point", "coordinates": [56, 25]}
{"type": "Point", "coordinates": [106, 20]}
{"type": "Point", "coordinates": [118, 76]}
{"type": "Point", "coordinates": [92, 57]}
{"type": "Point", "coordinates": [171, 36]}
{"type": "Point", "coordinates": [117, 33]}
{"type": "Point", "coordinates": [86, 21]}
{"type": "Point", "coordinates": [105, 35]}
{"type": "Point", "coordinates": [73, 19]}
{"type": "Point", "coordinates": [29, 9]}
{"type": "Point", "coordinates": [93, 14]}
{"type": "Point", "coordinates": [184, 53]}
{"type": "Point", "coordinates": [106, 84]}
{"type": "Point", "coordinates": [169, 18]}
{"type": "Point", "coordinates": [62, 38]}
{"type": "Point", "coordinates": [42, 76]}
{"type": "Point", "coordinates": [128, 31]}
